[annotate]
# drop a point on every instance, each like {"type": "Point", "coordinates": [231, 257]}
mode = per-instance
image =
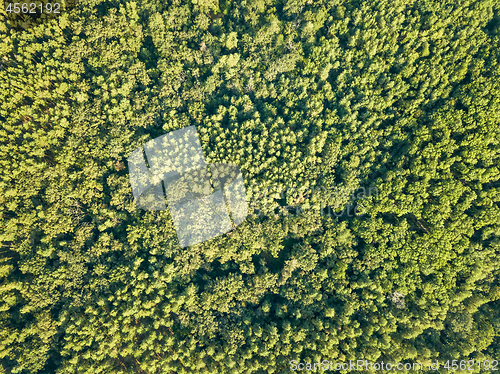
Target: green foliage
{"type": "Point", "coordinates": [399, 96]}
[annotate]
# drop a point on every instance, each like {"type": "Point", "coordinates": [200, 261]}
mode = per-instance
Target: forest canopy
{"type": "Point", "coordinates": [397, 97]}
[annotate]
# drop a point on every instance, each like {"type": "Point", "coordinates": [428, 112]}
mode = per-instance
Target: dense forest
{"type": "Point", "coordinates": [397, 97]}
